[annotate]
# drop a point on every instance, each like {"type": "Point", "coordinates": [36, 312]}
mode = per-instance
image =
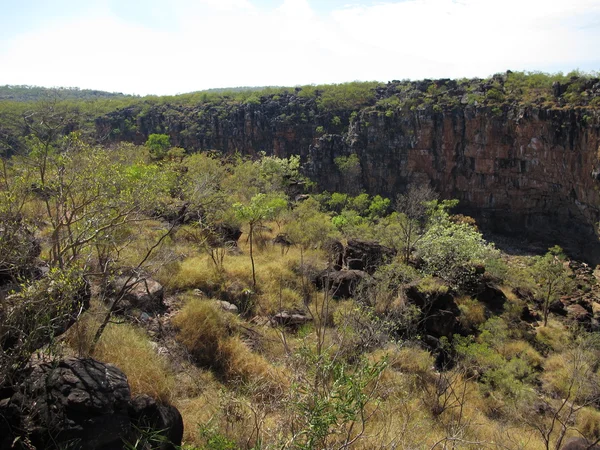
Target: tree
{"type": "Point", "coordinates": [413, 206]}
{"type": "Point", "coordinates": [261, 207]}
{"type": "Point", "coordinates": [551, 277]}
{"type": "Point", "coordinates": [451, 250]}
{"type": "Point", "coordinates": [158, 144]}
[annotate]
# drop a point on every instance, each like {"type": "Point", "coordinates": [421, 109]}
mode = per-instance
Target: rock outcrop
{"type": "Point", "coordinates": [82, 404]}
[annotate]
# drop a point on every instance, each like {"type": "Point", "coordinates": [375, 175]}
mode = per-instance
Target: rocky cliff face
{"type": "Point", "coordinates": [518, 169]}
{"type": "Point", "coordinates": [522, 170]}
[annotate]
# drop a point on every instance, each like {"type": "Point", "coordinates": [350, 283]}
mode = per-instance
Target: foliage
{"type": "Point", "coordinates": [451, 250]}
{"type": "Point", "coordinates": [158, 145]}
{"type": "Point", "coordinates": [36, 315]}
{"type": "Point", "coordinates": [551, 276]}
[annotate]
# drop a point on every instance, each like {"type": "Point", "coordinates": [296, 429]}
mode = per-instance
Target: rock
{"type": "Point", "coordinates": [228, 234]}
{"type": "Point", "coordinates": [335, 250]}
{"type": "Point", "coordinates": [229, 307]}
{"type": "Point", "coordinates": [557, 307]}
{"type": "Point", "coordinates": [301, 197]}
{"type": "Point", "coordinates": [366, 255]}
{"type": "Point", "coordinates": [144, 294]}
{"type": "Point", "coordinates": [291, 319]}
{"type": "Point", "coordinates": [528, 315]}
{"type": "Point", "coordinates": [577, 443]}
{"type": "Point", "coordinates": [578, 313]}
{"type": "Point", "coordinates": [492, 296]}
{"type": "Point", "coordinates": [81, 404]}
{"type": "Point", "coordinates": [341, 283]}
{"type": "Point", "coordinates": [440, 311]}
{"type": "Point", "coordinates": [146, 414]}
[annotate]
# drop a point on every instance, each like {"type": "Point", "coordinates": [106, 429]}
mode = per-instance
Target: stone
{"type": "Point", "coordinates": [578, 443]}
{"type": "Point", "coordinates": [366, 255]}
{"type": "Point", "coordinates": [578, 313]}
{"type": "Point", "coordinates": [492, 296]}
{"type": "Point", "coordinates": [341, 283]}
{"type": "Point", "coordinates": [290, 319]}
{"type": "Point", "coordinates": [81, 403]}
{"type": "Point", "coordinates": [228, 307]}
{"type": "Point", "coordinates": [145, 294]}
{"type": "Point", "coordinates": [335, 250]}
{"type": "Point", "coordinates": [146, 414]}
{"type": "Point", "coordinates": [440, 311]}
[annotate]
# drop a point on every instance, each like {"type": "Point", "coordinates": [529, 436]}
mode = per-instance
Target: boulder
{"type": "Point", "coordinates": [341, 283]}
{"type": "Point", "coordinates": [148, 415]}
{"type": "Point", "coordinates": [578, 313]}
{"type": "Point", "coordinates": [228, 307]}
{"type": "Point", "coordinates": [335, 250]}
{"type": "Point", "coordinates": [366, 255]}
{"type": "Point", "coordinates": [491, 295]}
{"type": "Point", "coordinates": [290, 319]}
{"type": "Point", "coordinates": [440, 311]}
{"type": "Point", "coordinates": [143, 294]}
{"type": "Point", "coordinates": [82, 404]}
{"type": "Point", "coordinates": [578, 443]}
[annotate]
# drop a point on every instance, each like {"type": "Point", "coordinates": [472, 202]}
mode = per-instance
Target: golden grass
{"type": "Point", "coordinates": [201, 328]}
{"type": "Point", "coordinates": [523, 350]}
{"type": "Point", "coordinates": [555, 336]}
{"type": "Point", "coordinates": [472, 312]}
{"type": "Point", "coordinates": [129, 348]}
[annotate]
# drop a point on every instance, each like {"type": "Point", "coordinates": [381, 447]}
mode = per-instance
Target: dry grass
{"type": "Point", "coordinates": [129, 348]}
{"type": "Point", "coordinates": [201, 329]}
{"type": "Point", "coordinates": [472, 312]}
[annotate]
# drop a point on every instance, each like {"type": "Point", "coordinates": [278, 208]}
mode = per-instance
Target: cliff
{"type": "Point", "coordinates": [522, 161]}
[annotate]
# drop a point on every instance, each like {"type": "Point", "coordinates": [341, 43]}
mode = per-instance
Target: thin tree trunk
{"type": "Point", "coordinates": [252, 258]}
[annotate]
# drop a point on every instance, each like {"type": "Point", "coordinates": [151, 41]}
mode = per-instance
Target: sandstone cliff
{"type": "Point", "coordinates": [520, 165]}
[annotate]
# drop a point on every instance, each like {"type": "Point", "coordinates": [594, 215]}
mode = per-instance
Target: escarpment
{"type": "Point", "coordinates": [527, 166]}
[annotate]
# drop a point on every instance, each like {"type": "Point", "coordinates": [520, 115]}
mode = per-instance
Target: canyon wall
{"type": "Point", "coordinates": [529, 171]}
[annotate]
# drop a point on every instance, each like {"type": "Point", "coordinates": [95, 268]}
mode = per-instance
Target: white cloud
{"type": "Point", "coordinates": [218, 43]}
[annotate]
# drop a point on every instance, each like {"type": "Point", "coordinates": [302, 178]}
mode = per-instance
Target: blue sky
{"type": "Point", "coordinates": [175, 46]}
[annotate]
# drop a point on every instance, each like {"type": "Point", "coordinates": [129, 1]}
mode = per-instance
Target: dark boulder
{"type": "Point", "coordinates": [578, 443]}
{"type": "Point", "coordinates": [149, 416]}
{"type": "Point", "coordinates": [366, 255]}
{"type": "Point", "coordinates": [290, 319]}
{"type": "Point", "coordinates": [341, 283]}
{"type": "Point", "coordinates": [491, 295]}
{"type": "Point", "coordinates": [529, 315]}
{"type": "Point", "coordinates": [138, 293]}
{"type": "Point", "coordinates": [439, 311]}
{"type": "Point", "coordinates": [579, 313]}
{"type": "Point", "coordinates": [335, 250]}
{"type": "Point", "coordinates": [81, 404]}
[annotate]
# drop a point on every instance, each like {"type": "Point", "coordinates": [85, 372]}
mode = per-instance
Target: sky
{"type": "Point", "coordinates": [175, 46]}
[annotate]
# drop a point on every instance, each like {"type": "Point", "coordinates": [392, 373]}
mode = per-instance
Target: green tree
{"type": "Point", "coordinates": [261, 207]}
{"type": "Point", "coordinates": [551, 277]}
{"type": "Point", "coordinates": [451, 250]}
{"type": "Point", "coordinates": [158, 145]}
{"type": "Point", "coordinates": [414, 208]}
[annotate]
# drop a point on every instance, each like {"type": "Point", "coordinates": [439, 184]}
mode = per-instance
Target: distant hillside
{"type": "Point", "coordinates": [239, 89]}
{"type": "Point", "coordinates": [24, 93]}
